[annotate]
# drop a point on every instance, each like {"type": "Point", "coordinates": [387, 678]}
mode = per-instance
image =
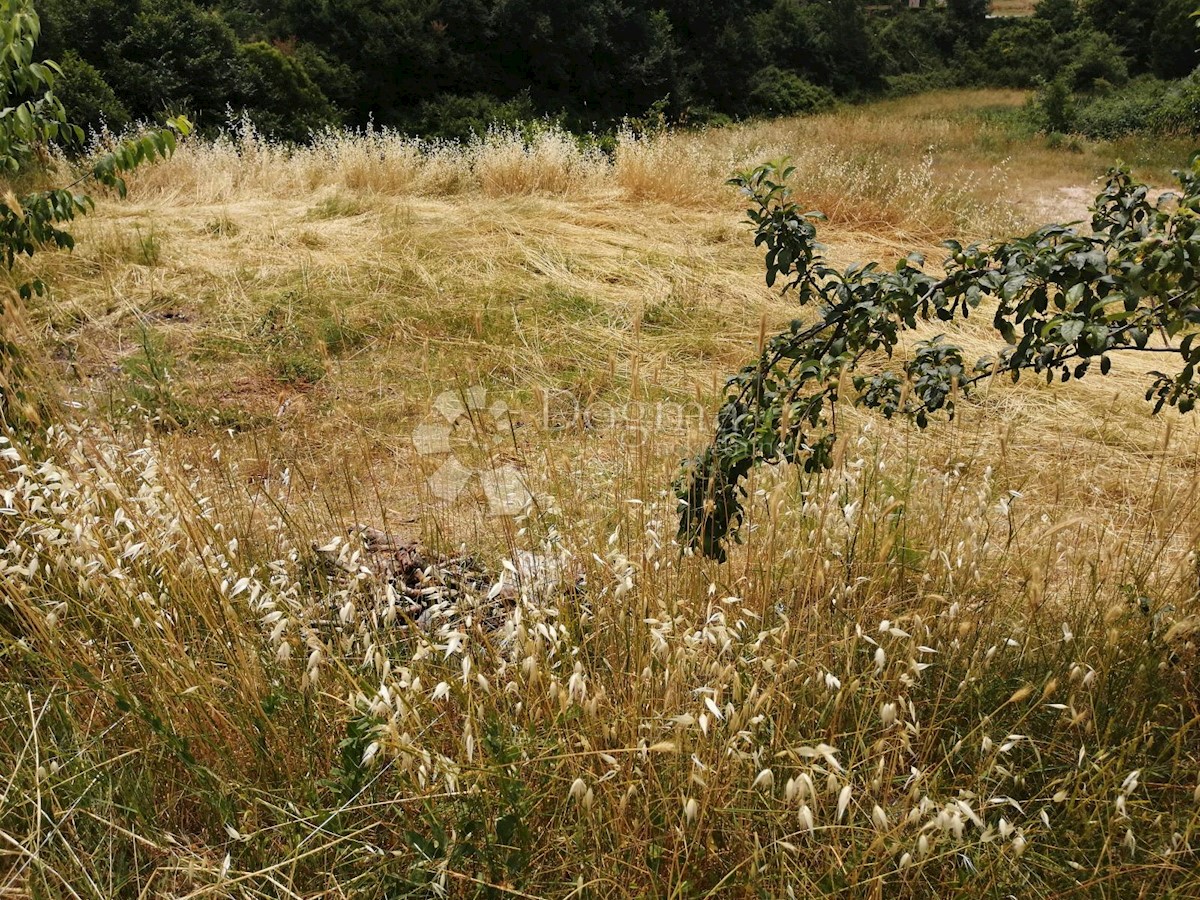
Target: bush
{"type": "Point", "coordinates": [1016, 53]}
{"type": "Point", "coordinates": [778, 92]}
{"type": "Point", "coordinates": [1135, 108]}
{"type": "Point", "coordinates": [1173, 43]}
{"type": "Point", "coordinates": [704, 117]}
{"type": "Point", "coordinates": [281, 99]}
{"type": "Point", "coordinates": [1179, 110]}
{"type": "Point", "coordinates": [1095, 62]}
{"type": "Point", "coordinates": [87, 98]}
{"type": "Point", "coordinates": [457, 118]}
{"type": "Point", "coordinates": [1144, 105]}
{"type": "Point", "coordinates": [1060, 15]}
{"type": "Point", "coordinates": [1052, 107]}
{"type": "Point", "coordinates": [178, 55]}
{"type": "Point", "coordinates": [910, 83]}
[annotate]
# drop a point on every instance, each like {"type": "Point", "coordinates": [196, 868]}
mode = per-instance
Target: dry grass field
{"type": "Point", "coordinates": [1013, 7]}
{"type": "Point", "coordinates": [962, 661]}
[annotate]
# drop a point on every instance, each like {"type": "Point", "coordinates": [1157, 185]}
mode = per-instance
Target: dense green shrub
{"type": "Point", "coordinates": [908, 83]}
{"type": "Point", "coordinates": [85, 28]}
{"type": "Point", "coordinates": [1138, 107]}
{"type": "Point", "coordinates": [1145, 104]}
{"type": "Point", "coordinates": [281, 98]}
{"type": "Point", "coordinates": [1174, 41]}
{"type": "Point", "coordinates": [1052, 109]}
{"type": "Point", "coordinates": [448, 68]}
{"type": "Point", "coordinates": [1179, 111]}
{"type": "Point", "coordinates": [456, 118]}
{"type": "Point", "coordinates": [1017, 54]}
{"type": "Point", "coordinates": [829, 44]}
{"type": "Point", "coordinates": [87, 97]}
{"type": "Point", "coordinates": [1093, 62]}
{"type": "Point", "coordinates": [777, 92]}
{"type": "Point", "coordinates": [1061, 15]}
{"type": "Point", "coordinates": [177, 55]}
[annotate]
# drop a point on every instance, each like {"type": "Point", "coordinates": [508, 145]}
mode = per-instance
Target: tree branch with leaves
{"type": "Point", "coordinates": [33, 123]}
{"type": "Point", "coordinates": [1062, 299]}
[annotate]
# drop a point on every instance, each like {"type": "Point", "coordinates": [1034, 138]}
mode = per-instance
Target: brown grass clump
{"type": "Point", "coordinates": [964, 660]}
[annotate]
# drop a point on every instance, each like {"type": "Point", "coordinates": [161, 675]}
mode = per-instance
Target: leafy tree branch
{"type": "Point", "coordinates": [1062, 299]}
{"type": "Point", "coordinates": [32, 122]}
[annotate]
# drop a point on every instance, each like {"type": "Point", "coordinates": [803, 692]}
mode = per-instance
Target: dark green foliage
{"type": "Point", "coordinates": [1065, 298]}
{"type": "Point", "coordinates": [176, 55]}
{"type": "Point", "coordinates": [1144, 105]}
{"type": "Point", "coordinates": [970, 16]}
{"type": "Point", "coordinates": [775, 92]}
{"type": "Point", "coordinates": [1018, 53]}
{"type": "Point", "coordinates": [85, 28]}
{"type": "Point", "coordinates": [390, 48]}
{"type": "Point", "coordinates": [601, 59]}
{"type": "Point", "coordinates": [1130, 21]}
{"type": "Point", "coordinates": [455, 118]}
{"type": "Point", "coordinates": [1179, 111]}
{"type": "Point", "coordinates": [87, 97]}
{"type": "Point", "coordinates": [294, 66]}
{"type": "Point", "coordinates": [1095, 62]}
{"type": "Point", "coordinates": [334, 78]}
{"type": "Point", "coordinates": [1053, 109]}
{"type": "Point", "coordinates": [1155, 35]}
{"type": "Point", "coordinates": [1062, 16]}
{"type": "Point", "coordinates": [591, 63]}
{"type": "Point", "coordinates": [827, 43]}
{"type": "Point", "coordinates": [1174, 40]}
{"type": "Point", "coordinates": [1137, 108]}
{"type": "Point", "coordinates": [281, 97]}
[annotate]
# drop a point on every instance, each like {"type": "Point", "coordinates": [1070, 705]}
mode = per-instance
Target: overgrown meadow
{"type": "Point", "coordinates": [963, 660]}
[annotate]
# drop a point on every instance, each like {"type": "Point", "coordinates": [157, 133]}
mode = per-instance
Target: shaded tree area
{"type": "Point", "coordinates": [447, 68]}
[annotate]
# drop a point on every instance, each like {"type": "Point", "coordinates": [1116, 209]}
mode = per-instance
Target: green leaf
{"type": "Point", "coordinates": [1071, 330]}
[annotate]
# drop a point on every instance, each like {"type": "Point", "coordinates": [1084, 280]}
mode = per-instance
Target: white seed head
{"type": "Point", "coordinates": [887, 714]}
{"type": "Point", "coordinates": [690, 809]}
{"type": "Point", "coordinates": [879, 817]}
{"type": "Point", "coordinates": [843, 802]}
{"type": "Point", "coordinates": [806, 818]}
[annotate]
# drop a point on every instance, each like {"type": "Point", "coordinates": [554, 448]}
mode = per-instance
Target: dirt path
{"type": "Point", "coordinates": [1070, 204]}
{"type": "Point", "coordinates": [1064, 204]}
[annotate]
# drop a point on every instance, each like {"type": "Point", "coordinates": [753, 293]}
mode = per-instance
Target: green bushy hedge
{"type": "Point", "coordinates": [777, 92]}
{"type": "Point", "coordinates": [1144, 105]}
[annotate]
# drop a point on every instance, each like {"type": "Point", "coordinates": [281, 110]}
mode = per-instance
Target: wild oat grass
{"type": "Point", "coordinates": [962, 661]}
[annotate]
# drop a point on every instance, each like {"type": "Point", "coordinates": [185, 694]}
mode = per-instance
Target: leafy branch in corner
{"type": "Point", "coordinates": [32, 122]}
{"type": "Point", "coordinates": [1062, 299]}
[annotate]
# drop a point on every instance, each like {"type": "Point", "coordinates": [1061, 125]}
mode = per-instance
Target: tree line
{"type": "Point", "coordinates": [447, 68]}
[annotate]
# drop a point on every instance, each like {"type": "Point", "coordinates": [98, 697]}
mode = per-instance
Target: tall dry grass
{"type": "Point", "coordinates": [886, 181]}
{"type": "Point", "coordinates": [962, 661]}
